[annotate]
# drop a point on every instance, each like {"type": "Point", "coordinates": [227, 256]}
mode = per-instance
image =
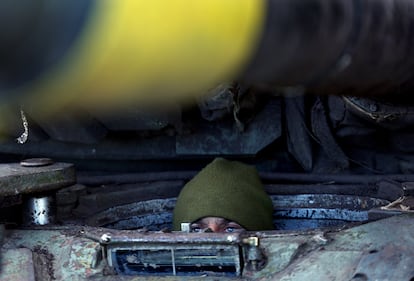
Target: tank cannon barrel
{"type": "Point", "coordinates": [131, 49]}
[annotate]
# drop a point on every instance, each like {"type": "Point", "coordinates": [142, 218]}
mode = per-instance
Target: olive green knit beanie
{"type": "Point", "coordinates": [227, 189]}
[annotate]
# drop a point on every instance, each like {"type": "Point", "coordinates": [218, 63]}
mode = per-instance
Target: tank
{"type": "Point", "coordinates": [314, 94]}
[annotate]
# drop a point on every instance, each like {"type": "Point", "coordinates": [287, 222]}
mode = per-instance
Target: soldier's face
{"type": "Point", "coordinates": [215, 224]}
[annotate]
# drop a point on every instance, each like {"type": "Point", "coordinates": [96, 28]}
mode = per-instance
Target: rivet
{"type": "Point", "coordinates": [105, 238]}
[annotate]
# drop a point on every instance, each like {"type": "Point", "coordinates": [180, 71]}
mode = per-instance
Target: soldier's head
{"type": "Point", "coordinates": [225, 196]}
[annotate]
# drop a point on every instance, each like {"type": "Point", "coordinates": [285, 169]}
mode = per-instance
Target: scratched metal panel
{"type": "Point", "coordinates": [15, 179]}
{"type": "Point", "coordinates": [211, 138]}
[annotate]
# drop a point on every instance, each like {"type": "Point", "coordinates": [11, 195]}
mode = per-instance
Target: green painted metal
{"type": "Point", "coordinates": [16, 179]}
{"type": "Point", "coordinates": [17, 265]}
{"type": "Point", "coordinates": [379, 250]}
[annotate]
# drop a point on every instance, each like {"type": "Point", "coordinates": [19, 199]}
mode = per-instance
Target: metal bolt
{"type": "Point", "coordinates": [231, 238]}
{"type": "Point", "coordinates": [36, 162]}
{"type": "Point", "coordinates": [105, 238]}
{"type": "Point", "coordinates": [185, 226]}
{"type": "Point", "coordinates": [320, 239]}
{"type": "Point", "coordinates": [251, 241]}
{"type": "Point", "coordinates": [39, 211]}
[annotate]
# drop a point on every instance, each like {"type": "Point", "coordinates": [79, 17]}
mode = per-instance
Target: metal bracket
{"type": "Point", "coordinates": [178, 253]}
{"type": "Point", "coordinates": [17, 179]}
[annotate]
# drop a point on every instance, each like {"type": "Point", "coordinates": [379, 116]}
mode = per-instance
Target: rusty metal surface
{"type": "Point", "coordinates": [151, 213]}
{"type": "Point", "coordinates": [391, 262]}
{"type": "Point", "coordinates": [355, 252]}
{"type": "Point", "coordinates": [291, 212]}
{"type": "Point", "coordinates": [70, 257]}
{"type": "Point", "coordinates": [17, 265]}
{"type": "Point", "coordinates": [15, 179]}
{"type": "Point", "coordinates": [380, 250]}
{"type": "Point", "coordinates": [118, 236]}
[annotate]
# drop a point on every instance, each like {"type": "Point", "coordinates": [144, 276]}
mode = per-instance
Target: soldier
{"type": "Point", "coordinates": [226, 196]}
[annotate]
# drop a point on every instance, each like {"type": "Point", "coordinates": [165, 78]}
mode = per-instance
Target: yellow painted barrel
{"type": "Point", "coordinates": [152, 51]}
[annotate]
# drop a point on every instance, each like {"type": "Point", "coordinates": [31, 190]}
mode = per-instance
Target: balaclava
{"type": "Point", "coordinates": [227, 189]}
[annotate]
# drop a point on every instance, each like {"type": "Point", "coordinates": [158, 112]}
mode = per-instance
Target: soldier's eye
{"type": "Point", "coordinates": [195, 229]}
{"type": "Point", "coordinates": [233, 227]}
{"type": "Point", "coordinates": [230, 229]}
